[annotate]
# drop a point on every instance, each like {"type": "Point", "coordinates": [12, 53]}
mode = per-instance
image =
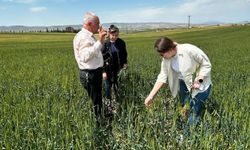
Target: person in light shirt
{"type": "Point", "coordinates": [88, 55]}
{"type": "Point", "coordinates": [188, 72]}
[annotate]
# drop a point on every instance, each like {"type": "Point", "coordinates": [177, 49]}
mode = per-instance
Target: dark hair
{"type": "Point", "coordinates": [113, 29]}
{"type": "Point", "coordinates": [164, 44]}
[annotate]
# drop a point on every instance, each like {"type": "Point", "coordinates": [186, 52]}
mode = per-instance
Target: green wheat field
{"type": "Point", "coordinates": [43, 106]}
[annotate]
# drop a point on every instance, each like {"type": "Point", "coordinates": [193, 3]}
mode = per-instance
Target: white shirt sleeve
{"type": "Point", "coordinates": [200, 57]}
{"type": "Point", "coordinates": [162, 77]}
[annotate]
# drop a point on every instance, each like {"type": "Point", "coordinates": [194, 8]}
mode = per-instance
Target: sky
{"type": "Point", "coordinates": [70, 12]}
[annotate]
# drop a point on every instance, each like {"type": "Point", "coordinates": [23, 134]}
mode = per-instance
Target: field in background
{"type": "Point", "coordinates": [43, 106]}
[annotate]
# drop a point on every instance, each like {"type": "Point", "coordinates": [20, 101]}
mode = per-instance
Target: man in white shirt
{"type": "Point", "coordinates": [89, 58]}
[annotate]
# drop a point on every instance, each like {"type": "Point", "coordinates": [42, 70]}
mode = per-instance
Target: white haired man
{"type": "Point", "coordinates": [89, 58]}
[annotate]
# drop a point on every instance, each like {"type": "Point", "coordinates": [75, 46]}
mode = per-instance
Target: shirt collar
{"type": "Point", "coordinates": [87, 32]}
{"type": "Point", "coordinates": [179, 52]}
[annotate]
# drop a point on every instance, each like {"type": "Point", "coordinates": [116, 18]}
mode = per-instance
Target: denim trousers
{"type": "Point", "coordinates": [196, 103]}
{"type": "Point", "coordinates": [111, 81]}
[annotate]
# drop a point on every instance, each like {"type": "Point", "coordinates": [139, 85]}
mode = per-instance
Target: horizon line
{"type": "Point", "coordinates": [208, 22]}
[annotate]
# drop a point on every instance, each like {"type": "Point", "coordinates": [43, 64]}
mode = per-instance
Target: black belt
{"type": "Point", "coordinates": [92, 70]}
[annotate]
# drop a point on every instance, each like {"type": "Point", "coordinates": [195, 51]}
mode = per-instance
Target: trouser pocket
{"type": "Point", "coordinates": [84, 79]}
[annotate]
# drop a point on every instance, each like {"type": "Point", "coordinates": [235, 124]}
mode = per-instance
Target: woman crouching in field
{"type": "Point", "coordinates": [188, 71]}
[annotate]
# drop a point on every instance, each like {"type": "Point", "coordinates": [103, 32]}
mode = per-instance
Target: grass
{"type": "Point", "coordinates": [43, 105]}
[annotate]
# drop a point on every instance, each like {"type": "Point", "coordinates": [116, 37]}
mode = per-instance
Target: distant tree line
{"type": "Point", "coordinates": [70, 29]}
{"type": "Point", "coordinates": [65, 30]}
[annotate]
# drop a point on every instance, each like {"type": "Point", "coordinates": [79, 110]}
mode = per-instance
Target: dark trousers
{"type": "Point", "coordinates": [91, 80]}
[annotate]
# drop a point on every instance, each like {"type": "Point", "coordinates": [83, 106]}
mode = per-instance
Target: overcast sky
{"type": "Point", "coordinates": [69, 12]}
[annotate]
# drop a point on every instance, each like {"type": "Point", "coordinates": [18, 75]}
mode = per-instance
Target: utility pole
{"type": "Point", "coordinates": [189, 25]}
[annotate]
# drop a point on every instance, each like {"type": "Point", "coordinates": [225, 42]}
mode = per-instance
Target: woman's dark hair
{"type": "Point", "coordinates": [113, 29]}
{"type": "Point", "coordinates": [164, 44]}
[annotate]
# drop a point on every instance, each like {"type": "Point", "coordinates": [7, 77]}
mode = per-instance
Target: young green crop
{"type": "Point", "coordinates": [43, 106]}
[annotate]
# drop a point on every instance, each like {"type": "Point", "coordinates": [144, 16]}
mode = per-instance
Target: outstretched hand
{"type": "Point", "coordinates": [148, 101]}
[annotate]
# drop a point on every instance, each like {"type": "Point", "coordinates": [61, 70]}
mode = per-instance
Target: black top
{"type": "Point", "coordinates": [114, 55]}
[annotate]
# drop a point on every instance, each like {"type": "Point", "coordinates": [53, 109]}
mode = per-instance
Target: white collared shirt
{"type": "Point", "coordinates": [87, 50]}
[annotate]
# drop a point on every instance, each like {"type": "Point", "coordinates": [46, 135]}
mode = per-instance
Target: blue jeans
{"type": "Point", "coordinates": [108, 85]}
{"type": "Point", "coordinates": [196, 103]}
{"type": "Point", "coordinates": [111, 81]}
